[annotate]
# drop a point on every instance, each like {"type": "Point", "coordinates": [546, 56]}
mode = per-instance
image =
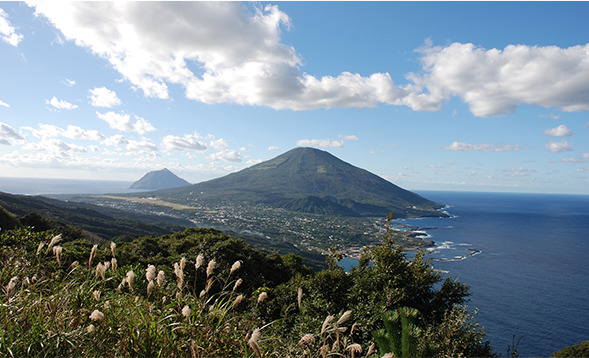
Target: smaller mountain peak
{"type": "Point", "coordinates": [159, 179]}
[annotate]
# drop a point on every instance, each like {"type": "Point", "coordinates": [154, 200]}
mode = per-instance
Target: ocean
{"type": "Point", "coordinates": [525, 259]}
{"type": "Point", "coordinates": [523, 255]}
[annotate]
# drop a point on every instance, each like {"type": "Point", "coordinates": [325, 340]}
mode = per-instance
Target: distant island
{"type": "Point", "coordinates": [158, 180]}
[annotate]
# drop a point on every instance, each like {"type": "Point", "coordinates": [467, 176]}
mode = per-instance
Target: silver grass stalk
{"type": "Point", "coordinates": [209, 284]}
{"type": "Point", "coordinates": [106, 265]}
{"type": "Point", "coordinates": [150, 273]}
{"type": "Point", "coordinates": [149, 288]}
{"type": "Point", "coordinates": [388, 355]}
{"type": "Point", "coordinates": [237, 284]}
{"type": "Point", "coordinates": [100, 270]}
{"type": "Point", "coordinates": [253, 342]}
{"type": "Point", "coordinates": [179, 275]}
{"type": "Point", "coordinates": [186, 311]}
{"type": "Point", "coordinates": [327, 321]}
{"type": "Point", "coordinates": [92, 255]}
{"type": "Point", "coordinates": [262, 297]}
{"type": "Point", "coordinates": [343, 318]}
{"type": "Point", "coordinates": [237, 301]}
{"type": "Point", "coordinates": [96, 295]}
{"type": "Point", "coordinates": [199, 260]}
{"type": "Point", "coordinates": [57, 252]}
{"type": "Point", "coordinates": [299, 297]}
{"type": "Point", "coordinates": [182, 263]}
{"type": "Point", "coordinates": [160, 278]}
{"type": "Point", "coordinates": [353, 349]}
{"type": "Point", "coordinates": [211, 267]}
{"type": "Point", "coordinates": [90, 328]}
{"type": "Point", "coordinates": [236, 266]}
{"type": "Point", "coordinates": [371, 349]}
{"type": "Point", "coordinates": [41, 244]}
{"type": "Point", "coordinates": [96, 315]}
{"type": "Point", "coordinates": [113, 264]}
{"type": "Point", "coordinates": [113, 248]}
{"type": "Point", "coordinates": [54, 240]}
{"type": "Point", "coordinates": [129, 277]}
{"type": "Point", "coordinates": [307, 339]}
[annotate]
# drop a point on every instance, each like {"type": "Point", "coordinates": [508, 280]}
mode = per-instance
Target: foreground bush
{"type": "Point", "coordinates": [80, 299]}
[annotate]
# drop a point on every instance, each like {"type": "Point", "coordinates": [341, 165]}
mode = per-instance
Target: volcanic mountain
{"type": "Point", "coordinates": [159, 179]}
{"type": "Point", "coordinates": [311, 181]}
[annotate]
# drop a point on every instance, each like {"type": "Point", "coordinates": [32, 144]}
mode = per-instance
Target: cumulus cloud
{"type": "Point", "coordinates": [464, 147]}
{"type": "Point", "coordinates": [115, 141]}
{"type": "Point", "coordinates": [61, 104]}
{"type": "Point", "coordinates": [273, 148]}
{"type": "Point", "coordinates": [495, 82]}
{"type": "Point", "coordinates": [72, 132]}
{"type": "Point", "coordinates": [188, 142]}
{"type": "Point", "coordinates": [560, 131]}
{"type": "Point", "coordinates": [557, 147]}
{"type": "Point", "coordinates": [103, 97]}
{"type": "Point", "coordinates": [124, 123]}
{"type": "Point", "coordinates": [8, 135]}
{"type": "Point", "coordinates": [226, 155]}
{"type": "Point", "coordinates": [133, 145]}
{"type": "Point", "coordinates": [228, 52]}
{"type": "Point", "coordinates": [7, 31]}
{"type": "Point", "coordinates": [55, 146]}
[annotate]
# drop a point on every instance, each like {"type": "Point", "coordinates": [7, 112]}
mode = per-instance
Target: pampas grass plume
{"type": "Point", "coordinates": [186, 311]}
{"type": "Point", "coordinates": [54, 240]}
{"type": "Point", "coordinates": [92, 255]}
{"type": "Point", "coordinates": [96, 295]}
{"type": "Point", "coordinates": [237, 301]}
{"type": "Point", "coordinates": [300, 297]}
{"type": "Point", "coordinates": [113, 248]}
{"type": "Point", "coordinates": [113, 264]}
{"type": "Point", "coordinates": [211, 267]}
{"type": "Point", "coordinates": [11, 285]}
{"type": "Point", "coordinates": [327, 321]}
{"type": "Point", "coordinates": [150, 273]}
{"type": "Point", "coordinates": [343, 318]}
{"type": "Point", "coordinates": [90, 328]}
{"type": "Point", "coordinates": [129, 277]}
{"type": "Point", "coordinates": [237, 284]}
{"type": "Point", "coordinates": [262, 297]}
{"type": "Point", "coordinates": [183, 263]}
{"type": "Point", "coordinates": [160, 278]}
{"type": "Point", "coordinates": [96, 315]}
{"type": "Point", "coordinates": [199, 260]}
{"type": "Point", "coordinates": [253, 342]}
{"type": "Point", "coordinates": [307, 339]}
{"type": "Point", "coordinates": [149, 288]}
{"type": "Point", "coordinates": [100, 270]}
{"type": "Point", "coordinates": [57, 252]}
{"type": "Point", "coordinates": [236, 266]}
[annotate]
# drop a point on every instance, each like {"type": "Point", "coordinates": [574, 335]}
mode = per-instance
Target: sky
{"type": "Point", "coordinates": [464, 96]}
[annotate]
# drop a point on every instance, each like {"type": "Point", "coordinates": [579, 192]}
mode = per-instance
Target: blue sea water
{"type": "Point", "coordinates": [529, 277]}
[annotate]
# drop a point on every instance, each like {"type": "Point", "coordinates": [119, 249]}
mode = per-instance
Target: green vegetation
{"type": "Point", "coordinates": [202, 293]}
{"type": "Point", "coordinates": [578, 350]}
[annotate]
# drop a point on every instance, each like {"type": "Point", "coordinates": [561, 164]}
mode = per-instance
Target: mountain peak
{"type": "Point", "coordinates": [159, 179]}
{"type": "Point", "coordinates": [310, 180]}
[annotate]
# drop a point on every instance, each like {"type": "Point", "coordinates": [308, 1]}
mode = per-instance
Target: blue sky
{"type": "Point", "coordinates": [485, 96]}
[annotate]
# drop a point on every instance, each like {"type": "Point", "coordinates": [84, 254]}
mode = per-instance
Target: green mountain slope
{"type": "Point", "coordinates": [327, 184]}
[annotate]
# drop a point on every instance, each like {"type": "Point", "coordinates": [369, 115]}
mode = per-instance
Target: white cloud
{"type": "Point", "coordinates": [321, 143]}
{"type": "Point", "coordinates": [219, 144]}
{"type": "Point", "coordinates": [516, 172]}
{"type": "Point", "coordinates": [573, 160]}
{"type": "Point", "coordinates": [464, 147]}
{"type": "Point", "coordinates": [69, 83]}
{"type": "Point", "coordinates": [560, 131]}
{"type": "Point", "coordinates": [8, 134]}
{"type": "Point", "coordinates": [495, 82]}
{"type": "Point", "coordinates": [273, 148]}
{"type": "Point", "coordinates": [228, 52]}
{"type": "Point", "coordinates": [4, 104]}
{"type": "Point", "coordinates": [55, 146]}
{"type": "Point", "coordinates": [585, 155]}
{"type": "Point", "coordinates": [436, 166]}
{"type": "Point", "coordinates": [325, 143]}
{"type": "Point", "coordinates": [188, 142]}
{"type": "Point", "coordinates": [133, 145]}
{"type": "Point", "coordinates": [61, 104]}
{"type": "Point", "coordinates": [7, 31]}
{"type": "Point", "coordinates": [103, 97]}
{"type": "Point", "coordinates": [123, 122]}
{"type": "Point", "coordinates": [557, 147]}
{"type": "Point", "coordinates": [72, 132]}
{"type": "Point", "coordinates": [115, 140]}
{"type": "Point", "coordinates": [226, 155]}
